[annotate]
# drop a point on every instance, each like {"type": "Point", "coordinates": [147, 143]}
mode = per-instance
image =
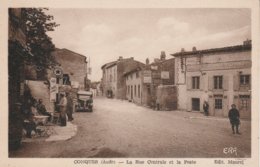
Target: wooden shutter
{"type": "Point", "coordinates": [210, 81]}
{"type": "Point", "coordinates": [202, 83]}
{"type": "Point", "coordinates": [189, 83]}
{"type": "Point", "coordinates": [225, 82]}
{"type": "Point", "coordinates": [236, 82]}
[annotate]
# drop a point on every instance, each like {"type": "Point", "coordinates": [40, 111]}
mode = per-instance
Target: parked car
{"type": "Point", "coordinates": [84, 101]}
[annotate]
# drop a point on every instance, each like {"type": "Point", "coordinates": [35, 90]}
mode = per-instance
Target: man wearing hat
{"type": "Point", "coordinates": [63, 108]}
{"type": "Point", "coordinates": [233, 115]}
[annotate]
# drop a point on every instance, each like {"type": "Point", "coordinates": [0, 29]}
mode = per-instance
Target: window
{"type": "Point", "coordinates": [244, 79]}
{"type": "Point", "coordinates": [135, 90]}
{"type": "Point", "coordinates": [107, 76]}
{"type": "Point", "coordinates": [149, 89]}
{"type": "Point", "coordinates": [66, 79]}
{"type": "Point", "coordinates": [131, 76]}
{"type": "Point", "coordinates": [195, 82]}
{"type": "Point", "coordinates": [128, 87]}
{"type": "Point", "coordinates": [139, 91]}
{"type": "Point", "coordinates": [110, 79]}
{"type": "Point", "coordinates": [182, 64]}
{"type": "Point", "coordinates": [245, 101]}
{"type": "Point", "coordinates": [137, 74]}
{"type": "Point", "coordinates": [218, 103]}
{"type": "Point", "coordinates": [218, 82]}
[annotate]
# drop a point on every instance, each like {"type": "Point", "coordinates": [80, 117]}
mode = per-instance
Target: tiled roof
{"type": "Point", "coordinates": [139, 68]}
{"type": "Point", "coordinates": [215, 50]}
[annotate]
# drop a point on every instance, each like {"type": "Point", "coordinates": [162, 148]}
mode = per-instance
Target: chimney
{"type": "Point", "coordinates": [247, 42]}
{"type": "Point", "coordinates": [163, 56]}
{"type": "Point", "coordinates": [194, 49]}
{"type": "Point", "coordinates": [147, 61]}
{"type": "Point", "coordinates": [182, 50]}
{"type": "Point", "coordinates": [120, 58]}
{"type": "Point", "coordinates": [156, 60]}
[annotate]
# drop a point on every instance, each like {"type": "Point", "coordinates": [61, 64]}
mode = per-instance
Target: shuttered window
{"type": "Point", "coordinates": [245, 102]}
{"type": "Point", "coordinates": [139, 91]}
{"type": "Point", "coordinates": [218, 82]}
{"type": "Point", "coordinates": [135, 90]}
{"type": "Point", "coordinates": [195, 82]}
{"type": "Point", "coordinates": [244, 79]}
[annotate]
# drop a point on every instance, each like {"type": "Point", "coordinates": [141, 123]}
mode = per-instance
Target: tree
{"type": "Point", "coordinates": [37, 24]}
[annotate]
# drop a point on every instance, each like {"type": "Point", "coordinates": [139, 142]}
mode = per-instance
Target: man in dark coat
{"type": "Point", "coordinates": [63, 109]}
{"type": "Point", "coordinates": [233, 115]}
{"type": "Point", "coordinates": [69, 106]}
{"type": "Point", "coordinates": [206, 108]}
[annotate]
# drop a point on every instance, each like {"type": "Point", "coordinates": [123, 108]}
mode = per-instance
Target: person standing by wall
{"type": "Point", "coordinates": [157, 104]}
{"type": "Point", "coordinates": [63, 108]}
{"type": "Point", "coordinates": [233, 115]}
{"type": "Point", "coordinates": [206, 108]}
{"type": "Point", "coordinates": [69, 107]}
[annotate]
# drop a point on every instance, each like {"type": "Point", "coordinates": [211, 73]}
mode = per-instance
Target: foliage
{"type": "Point", "coordinates": [37, 24]}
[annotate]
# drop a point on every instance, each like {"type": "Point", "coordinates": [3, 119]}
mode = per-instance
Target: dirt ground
{"type": "Point", "coordinates": [119, 128]}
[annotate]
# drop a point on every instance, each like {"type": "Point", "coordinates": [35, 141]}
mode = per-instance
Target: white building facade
{"type": "Point", "coordinates": [221, 76]}
{"type": "Point", "coordinates": [134, 86]}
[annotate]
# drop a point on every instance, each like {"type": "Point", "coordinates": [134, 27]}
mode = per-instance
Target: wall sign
{"type": "Point", "coordinates": [165, 75]}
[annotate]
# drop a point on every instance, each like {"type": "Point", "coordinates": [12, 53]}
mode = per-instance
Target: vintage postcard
{"type": "Point", "coordinates": [139, 83]}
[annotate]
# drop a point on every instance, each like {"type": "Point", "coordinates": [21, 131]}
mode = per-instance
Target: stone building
{"type": "Point", "coordinates": [17, 89]}
{"type": "Point", "coordinates": [17, 49]}
{"type": "Point", "coordinates": [113, 81]}
{"type": "Point", "coordinates": [158, 77]}
{"type": "Point", "coordinates": [72, 65]}
{"type": "Point", "coordinates": [74, 68]}
{"type": "Point", "coordinates": [221, 76]}
{"type": "Point", "coordinates": [134, 85]}
{"type": "Point", "coordinates": [73, 77]}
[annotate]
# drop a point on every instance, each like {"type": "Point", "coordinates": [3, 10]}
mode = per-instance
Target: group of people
{"type": "Point", "coordinates": [233, 115]}
{"type": "Point", "coordinates": [32, 107]}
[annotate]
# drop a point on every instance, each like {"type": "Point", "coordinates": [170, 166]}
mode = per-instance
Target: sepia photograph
{"type": "Point", "coordinates": [107, 83]}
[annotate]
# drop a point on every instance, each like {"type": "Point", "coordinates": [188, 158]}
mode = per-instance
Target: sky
{"type": "Point", "coordinates": [104, 34]}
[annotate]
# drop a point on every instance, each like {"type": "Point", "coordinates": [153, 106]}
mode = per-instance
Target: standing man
{"type": "Point", "coordinates": [206, 108]}
{"type": "Point", "coordinates": [63, 108]}
{"type": "Point", "coordinates": [233, 115]}
{"type": "Point", "coordinates": [69, 107]}
{"type": "Point", "coordinates": [157, 104]}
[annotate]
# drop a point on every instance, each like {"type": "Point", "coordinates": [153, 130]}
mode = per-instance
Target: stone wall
{"type": "Point", "coordinates": [167, 96]}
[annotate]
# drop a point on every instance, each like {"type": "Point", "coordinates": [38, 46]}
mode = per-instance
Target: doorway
{"type": "Point", "coordinates": [218, 106]}
{"type": "Point", "coordinates": [195, 104]}
{"type": "Point", "coordinates": [131, 92]}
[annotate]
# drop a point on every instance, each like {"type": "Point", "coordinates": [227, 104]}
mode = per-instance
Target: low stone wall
{"type": "Point", "coordinates": [167, 97]}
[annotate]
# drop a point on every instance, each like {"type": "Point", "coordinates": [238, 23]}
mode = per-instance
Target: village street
{"type": "Point", "coordinates": [119, 128]}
